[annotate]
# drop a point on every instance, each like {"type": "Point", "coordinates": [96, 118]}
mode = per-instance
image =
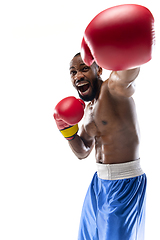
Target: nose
{"type": "Point", "coordinates": [79, 76]}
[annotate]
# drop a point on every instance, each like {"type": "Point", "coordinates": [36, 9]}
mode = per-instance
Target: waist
{"type": "Point", "coordinates": [120, 170]}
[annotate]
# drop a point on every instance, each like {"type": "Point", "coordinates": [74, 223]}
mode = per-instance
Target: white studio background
{"type": "Point", "coordinates": [42, 184]}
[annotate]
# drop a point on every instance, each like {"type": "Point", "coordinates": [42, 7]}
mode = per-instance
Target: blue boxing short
{"type": "Point", "coordinates": [114, 206]}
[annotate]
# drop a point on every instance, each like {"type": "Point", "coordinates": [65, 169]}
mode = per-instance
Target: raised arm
{"type": "Point", "coordinates": [120, 38]}
{"type": "Point", "coordinates": [122, 83]}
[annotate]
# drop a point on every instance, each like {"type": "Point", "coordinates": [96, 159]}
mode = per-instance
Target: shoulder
{"type": "Point", "coordinates": [122, 103]}
{"type": "Point", "coordinates": [104, 88]}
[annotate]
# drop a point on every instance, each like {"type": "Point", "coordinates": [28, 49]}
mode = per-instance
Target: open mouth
{"type": "Point", "coordinates": [83, 87]}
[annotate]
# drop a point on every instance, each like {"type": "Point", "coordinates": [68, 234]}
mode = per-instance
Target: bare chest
{"type": "Point", "coordinates": [100, 118]}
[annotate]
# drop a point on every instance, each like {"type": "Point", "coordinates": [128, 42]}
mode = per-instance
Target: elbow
{"type": "Point", "coordinates": [84, 154]}
{"type": "Point", "coordinates": [81, 157]}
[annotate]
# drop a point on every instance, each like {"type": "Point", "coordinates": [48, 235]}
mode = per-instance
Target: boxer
{"type": "Point", "coordinates": [114, 206]}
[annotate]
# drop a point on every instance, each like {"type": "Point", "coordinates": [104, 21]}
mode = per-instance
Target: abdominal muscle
{"type": "Point", "coordinates": [116, 135]}
{"type": "Point", "coordinates": [117, 150]}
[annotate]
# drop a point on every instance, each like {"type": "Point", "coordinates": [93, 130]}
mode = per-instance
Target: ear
{"type": "Point", "coordinates": [99, 71]}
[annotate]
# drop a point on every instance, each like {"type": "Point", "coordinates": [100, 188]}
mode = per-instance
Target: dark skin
{"type": "Point", "coordinates": [110, 121]}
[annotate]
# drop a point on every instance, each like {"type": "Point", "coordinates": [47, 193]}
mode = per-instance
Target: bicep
{"type": "Point", "coordinates": [81, 145]}
{"type": "Point", "coordinates": [87, 140]}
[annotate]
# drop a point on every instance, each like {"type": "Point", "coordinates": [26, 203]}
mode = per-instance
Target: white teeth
{"type": "Point", "coordinates": [81, 84]}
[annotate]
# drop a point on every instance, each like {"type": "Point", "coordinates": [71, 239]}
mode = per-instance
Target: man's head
{"type": "Point", "coordinates": [85, 78]}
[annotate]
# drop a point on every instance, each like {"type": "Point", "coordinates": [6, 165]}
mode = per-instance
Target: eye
{"type": "Point", "coordinates": [72, 73]}
{"type": "Point", "coordinates": [85, 69]}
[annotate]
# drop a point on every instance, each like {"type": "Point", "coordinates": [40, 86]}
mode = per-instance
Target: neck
{"type": "Point", "coordinates": [99, 84]}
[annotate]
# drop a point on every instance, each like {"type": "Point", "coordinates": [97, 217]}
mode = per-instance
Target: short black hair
{"type": "Point", "coordinates": [78, 54]}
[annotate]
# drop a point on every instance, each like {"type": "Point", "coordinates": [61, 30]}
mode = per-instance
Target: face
{"type": "Point", "coordinates": [84, 78]}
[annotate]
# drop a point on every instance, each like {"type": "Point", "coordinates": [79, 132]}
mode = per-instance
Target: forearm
{"type": "Point", "coordinates": [128, 76]}
{"type": "Point", "coordinates": [79, 148]}
{"type": "Point", "coordinates": [121, 83]}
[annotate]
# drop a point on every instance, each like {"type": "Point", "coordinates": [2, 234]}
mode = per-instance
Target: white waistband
{"type": "Point", "coordinates": [120, 170]}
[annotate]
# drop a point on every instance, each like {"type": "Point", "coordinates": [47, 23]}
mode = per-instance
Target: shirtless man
{"type": "Point", "coordinates": [110, 124]}
{"type": "Point", "coordinates": [114, 206]}
{"type": "Point", "coordinates": [110, 121]}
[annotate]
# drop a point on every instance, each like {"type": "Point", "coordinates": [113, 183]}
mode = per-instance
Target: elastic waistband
{"type": "Point", "coordinates": [120, 170]}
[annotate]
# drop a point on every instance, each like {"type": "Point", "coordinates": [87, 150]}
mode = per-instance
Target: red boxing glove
{"type": "Point", "coordinates": [68, 112]}
{"type": "Point", "coordinates": [119, 38]}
